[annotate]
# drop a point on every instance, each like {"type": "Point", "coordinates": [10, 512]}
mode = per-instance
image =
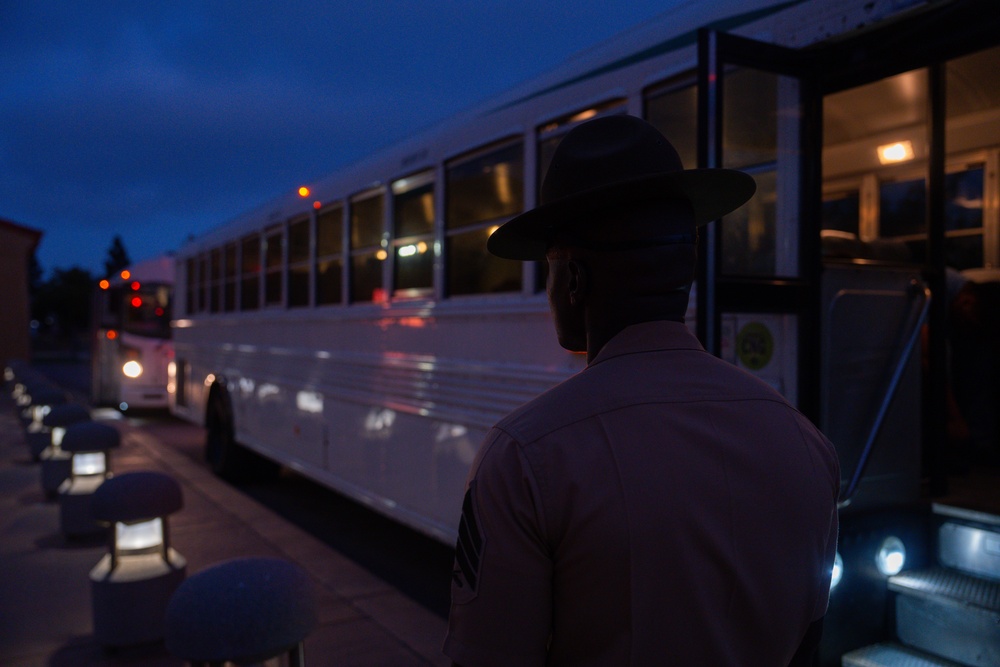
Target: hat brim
{"type": "Point", "coordinates": [712, 193]}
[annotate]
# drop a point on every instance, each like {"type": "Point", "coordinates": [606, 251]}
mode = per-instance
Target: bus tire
{"type": "Point", "coordinates": [227, 458]}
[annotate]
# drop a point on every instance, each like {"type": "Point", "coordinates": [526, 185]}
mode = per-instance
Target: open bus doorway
{"type": "Point", "coordinates": [876, 179]}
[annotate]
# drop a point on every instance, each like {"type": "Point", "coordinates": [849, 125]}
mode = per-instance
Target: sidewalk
{"type": "Point", "coordinates": [45, 615]}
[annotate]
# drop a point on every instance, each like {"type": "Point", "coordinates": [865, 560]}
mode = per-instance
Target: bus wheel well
{"type": "Point", "coordinates": [225, 456]}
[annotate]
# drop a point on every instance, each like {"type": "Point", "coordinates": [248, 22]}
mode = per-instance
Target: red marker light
{"type": "Point", "coordinates": [136, 302]}
{"type": "Point", "coordinates": [112, 334]}
{"type": "Point", "coordinates": [136, 286]}
{"type": "Point", "coordinates": [159, 312]}
{"type": "Point", "coordinates": [317, 205]}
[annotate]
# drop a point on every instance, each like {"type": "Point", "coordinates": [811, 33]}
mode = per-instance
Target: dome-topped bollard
{"type": "Point", "coordinates": [56, 463]}
{"type": "Point", "coordinates": [243, 611]}
{"type": "Point", "coordinates": [89, 445]}
{"type": "Point", "coordinates": [133, 582]}
{"type": "Point", "coordinates": [38, 401]}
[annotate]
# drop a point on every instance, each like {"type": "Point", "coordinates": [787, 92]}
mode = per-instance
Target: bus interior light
{"type": "Point", "coordinates": [891, 556]}
{"type": "Point", "coordinates": [901, 151]}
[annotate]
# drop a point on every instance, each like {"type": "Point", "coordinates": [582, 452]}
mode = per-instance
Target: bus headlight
{"type": "Point", "coordinates": [838, 571]}
{"type": "Point", "coordinates": [891, 556]}
{"type": "Point", "coordinates": [132, 369]}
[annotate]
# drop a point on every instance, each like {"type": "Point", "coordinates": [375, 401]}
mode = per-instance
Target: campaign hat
{"type": "Point", "coordinates": [610, 162]}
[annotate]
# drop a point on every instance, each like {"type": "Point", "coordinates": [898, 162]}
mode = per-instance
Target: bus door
{"type": "Point", "coordinates": [839, 341]}
{"type": "Point", "coordinates": [758, 287]}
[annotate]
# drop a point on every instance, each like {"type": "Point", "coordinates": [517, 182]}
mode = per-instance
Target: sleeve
{"type": "Point", "coordinates": [501, 609]}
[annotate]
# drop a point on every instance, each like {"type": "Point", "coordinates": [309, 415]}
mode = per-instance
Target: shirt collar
{"type": "Point", "coordinates": [649, 337]}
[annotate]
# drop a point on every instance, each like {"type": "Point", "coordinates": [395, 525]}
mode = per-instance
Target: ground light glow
{"type": "Point", "coordinates": [891, 556]}
{"type": "Point", "coordinates": [838, 571]}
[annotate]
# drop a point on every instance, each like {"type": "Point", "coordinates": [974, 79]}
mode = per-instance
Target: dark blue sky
{"type": "Point", "coordinates": [155, 121]}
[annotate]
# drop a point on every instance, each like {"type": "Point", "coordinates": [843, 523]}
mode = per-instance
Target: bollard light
{"type": "Point", "coordinates": [56, 462]}
{"type": "Point", "coordinates": [243, 611]}
{"type": "Point", "coordinates": [88, 446]}
{"type": "Point", "coordinates": [39, 401]}
{"type": "Point", "coordinates": [131, 585]}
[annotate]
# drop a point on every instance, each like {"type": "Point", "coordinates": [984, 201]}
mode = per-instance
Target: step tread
{"type": "Point", "coordinates": [967, 514]}
{"type": "Point", "coordinates": [941, 582]}
{"type": "Point", "coordinates": [892, 655]}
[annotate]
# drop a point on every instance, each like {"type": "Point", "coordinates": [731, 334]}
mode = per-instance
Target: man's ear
{"type": "Point", "coordinates": [578, 285]}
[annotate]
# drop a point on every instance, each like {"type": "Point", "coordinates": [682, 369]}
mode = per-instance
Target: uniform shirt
{"type": "Point", "coordinates": [660, 507]}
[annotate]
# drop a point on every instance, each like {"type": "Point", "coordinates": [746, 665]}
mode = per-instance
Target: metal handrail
{"type": "Point", "coordinates": [890, 393]}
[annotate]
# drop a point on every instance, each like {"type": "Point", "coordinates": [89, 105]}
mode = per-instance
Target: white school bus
{"type": "Point", "coordinates": [130, 341]}
{"type": "Point", "coordinates": [356, 330]}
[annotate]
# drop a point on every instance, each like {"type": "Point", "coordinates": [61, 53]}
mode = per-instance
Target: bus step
{"type": "Point", "coordinates": [892, 655]}
{"type": "Point", "coordinates": [969, 540]}
{"type": "Point", "coordinates": [949, 614]}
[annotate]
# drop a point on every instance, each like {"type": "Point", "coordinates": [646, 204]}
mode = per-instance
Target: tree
{"type": "Point", "coordinates": [117, 258]}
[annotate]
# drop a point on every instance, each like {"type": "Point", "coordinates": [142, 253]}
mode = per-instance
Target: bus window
{"type": "Point", "coordinates": [761, 238]}
{"type": "Point", "coordinates": [204, 282]}
{"type": "Point", "coordinates": [215, 288]}
{"type": "Point", "coordinates": [250, 272]}
{"type": "Point", "coordinates": [482, 191]}
{"type": "Point", "coordinates": [674, 112]}
{"type": "Point", "coordinates": [298, 263]}
{"type": "Point", "coordinates": [191, 281]}
{"type": "Point", "coordinates": [841, 212]}
{"type": "Point", "coordinates": [413, 232]}
{"type": "Point", "coordinates": [273, 254]}
{"type": "Point", "coordinates": [367, 253]}
{"type": "Point", "coordinates": [329, 255]}
{"type": "Point", "coordinates": [147, 311]}
{"type": "Point", "coordinates": [229, 273]}
{"type": "Point", "coordinates": [549, 136]}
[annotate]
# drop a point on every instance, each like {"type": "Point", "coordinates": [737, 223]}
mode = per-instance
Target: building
{"type": "Point", "coordinates": [17, 243]}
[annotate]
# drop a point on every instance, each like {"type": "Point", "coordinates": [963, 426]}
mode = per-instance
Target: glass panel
{"type": "Point", "coordinates": [750, 118]}
{"type": "Point", "coordinates": [251, 255]}
{"type": "Point", "coordinates": [191, 278]}
{"type": "Point", "coordinates": [366, 276]}
{"type": "Point", "coordinates": [366, 222]}
{"type": "Point", "coordinates": [250, 270]}
{"type": "Point", "coordinates": [842, 213]}
{"type": "Point", "coordinates": [903, 207]}
{"type": "Point", "coordinates": [472, 270]}
{"type": "Point", "coordinates": [486, 187]}
{"type": "Point", "coordinates": [748, 235]}
{"type": "Point", "coordinates": [550, 134]}
{"type": "Point", "coordinates": [328, 281]}
{"type": "Point", "coordinates": [298, 286]}
{"type": "Point", "coordinates": [298, 241]}
{"type": "Point", "coordinates": [329, 240]}
{"type": "Point", "coordinates": [964, 199]}
{"type": "Point", "coordinates": [249, 293]}
{"type": "Point", "coordinates": [413, 206]}
{"type": "Point", "coordinates": [964, 252]}
{"type": "Point", "coordinates": [415, 265]}
{"type": "Point", "coordinates": [675, 115]}
{"type": "Point", "coordinates": [230, 264]}
{"type": "Point", "coordinates": [229, 296]}
{"type": "Point", "coordinates": [216, 262]}
{"type": "Point", "coordinates": [272, 249]}
{"type": "Point", "coordinates": [272, 288]}
{"type": "Point", "coordinates": [215, 291]}
{"type": "Point", "coordinates": [204, 283]}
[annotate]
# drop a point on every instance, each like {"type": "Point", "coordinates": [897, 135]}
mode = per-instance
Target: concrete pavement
{"type": "Point", "coordinates": [45, 614]}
